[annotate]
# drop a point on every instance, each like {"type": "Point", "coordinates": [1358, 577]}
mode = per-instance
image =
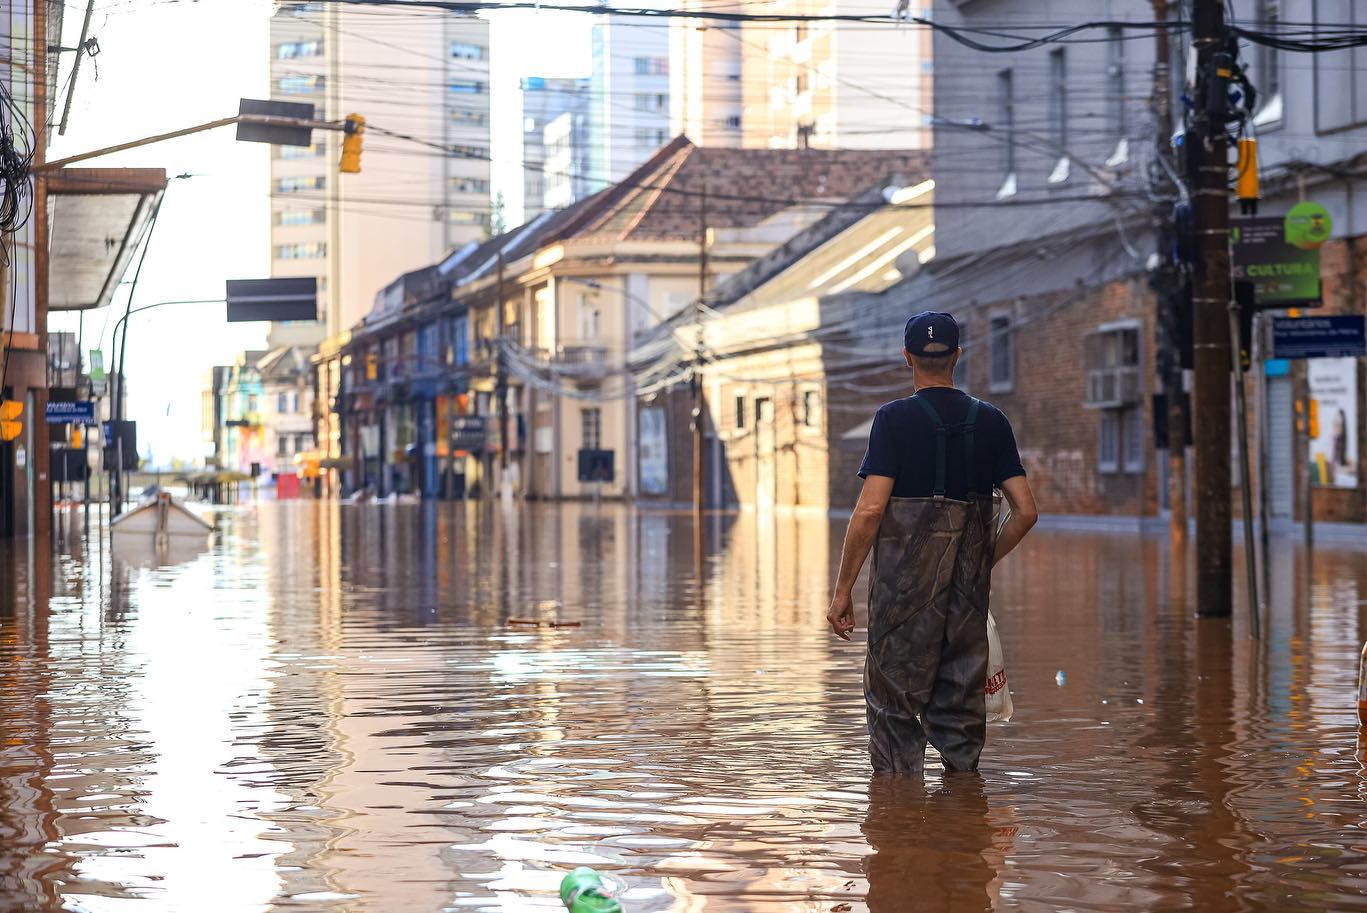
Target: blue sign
{"type": "Point", "coordinates": [1319, 337]}
{"type": "Point", "coordinates": [1276, 367]}
{"type": "Point", "coordinates": [77, 413]}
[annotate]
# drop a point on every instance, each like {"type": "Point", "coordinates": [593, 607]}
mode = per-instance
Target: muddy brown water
{"type": "Point", "coordinates": [328, 710]}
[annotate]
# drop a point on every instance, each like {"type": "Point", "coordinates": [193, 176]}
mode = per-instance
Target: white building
{"type": "Point", "coordinates": [629, 96]}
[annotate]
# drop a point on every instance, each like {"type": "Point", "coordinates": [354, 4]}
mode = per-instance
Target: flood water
{"type": "Point", "coordinates": [329, 710]}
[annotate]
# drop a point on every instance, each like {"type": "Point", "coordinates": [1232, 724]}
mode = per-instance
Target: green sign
{"type": "Point", "coordinates": [1308, 226]}
{"type": "Point", "coordinates": [1283, 275]}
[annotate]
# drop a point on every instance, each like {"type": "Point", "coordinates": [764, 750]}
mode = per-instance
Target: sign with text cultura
{"type": "Point", "coordinates": [1283, 274]}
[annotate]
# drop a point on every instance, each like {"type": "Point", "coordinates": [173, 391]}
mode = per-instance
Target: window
{"type": "Point", "coordinates": [733, 121]}
{"type": "Point", "coordinates": [651, 66]}
{"type": "Point", "coordinates": [469, 185]}
{"type": "Point", "coordinates": [299, 152]}
{"type": "Point", "coordinates": [740, 413]}
{"type": "Point", "coordinates": [1006, 120]}
{"type": "Point", "coordinates": [1111, 366]}
{"type": "Point", "coordinates": [811, 409]}
{"type": "Point", "coordinates": [465, 217]}
{"type": "Point", "coordinates": [1269, 58]}
{"type": "Point", "coordinates": [470, 152]}
{"type": "Point", "coordinates": [299, 85]}
{"type": "Point", "coordinates": [304, 250]}
{"type": "Point", "coordinates": [1115, 79]}
{"type": "Point", "coordinates": [460, 340]}
{"type": "Point", "coordinates": [591, 428]}
{"type": "Point", "coordinates": [1121, 440]}
{"type": "Point", "coordinates": [282, 403]}
{"type": "Point", "coordinates": [464, 50]}
{"type": "Point", "coordinates": [1058, 114]}
{"type": "Point", "coordinates": [1108, 442]}
{"type": "Point", "coordinates": [282, 445]}
{"type": "Point", "coordinates": [1002, 358]}
{"type": "Point", "coordinates": [1132, 439]}
{"type": "Point", "coordinates": [467, 87]}
{"type": "Point", "coordinates": [648, 138]}
{"type": "Point", "coordinates": [292, 49]}
{"type": "Point", "coordinates": [800, 82]}
{"type": "Point", "coordinates": [300, 216]}
{"type": "Point", "coordinates": [651, 102]}
{"type": "Point", "coordinates": [296, 183]}
{"type": "Point", "coordinates": [470, 117]}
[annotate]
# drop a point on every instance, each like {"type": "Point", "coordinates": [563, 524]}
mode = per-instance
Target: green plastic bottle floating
{"type": "Point", "coordinates": [586, 891]}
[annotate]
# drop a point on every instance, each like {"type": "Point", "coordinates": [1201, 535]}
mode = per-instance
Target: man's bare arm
{"type": "Point", "coordinates": [1023, 516]}
{"type": "Point", "coordinates": [859, 539]}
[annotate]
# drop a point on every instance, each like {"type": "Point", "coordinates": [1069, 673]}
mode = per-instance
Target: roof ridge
{"type": "Point", "coordinates": [656, 192]}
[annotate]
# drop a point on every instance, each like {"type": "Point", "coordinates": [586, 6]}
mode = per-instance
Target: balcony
{"type": "Point", "coordinates": [580, 363]}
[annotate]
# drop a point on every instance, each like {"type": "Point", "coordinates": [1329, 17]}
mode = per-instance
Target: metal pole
{"type": "Point", "coordinates": [1168, 287]}
{"type": "Point", "coordinates": [1308, 517]}
{"type": "Point", "coordinates": [695, 382]}
{"type": "Point", "coordinates": [1211, 298]}
{"type": "Point", "coordinates": [1245, 474]}
{"type": "Point", "coordinates": [76, 67]}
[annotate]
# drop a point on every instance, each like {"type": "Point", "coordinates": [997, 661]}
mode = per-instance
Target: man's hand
{"type": "Point", "coordinates": [841, 615]}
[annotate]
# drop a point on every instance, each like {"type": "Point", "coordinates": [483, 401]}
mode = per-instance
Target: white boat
{"type": "Point", "coordinates": [159, 519]}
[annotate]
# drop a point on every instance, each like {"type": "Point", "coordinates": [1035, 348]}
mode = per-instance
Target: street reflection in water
{"type": "Point", "coordinates": [329, 710]}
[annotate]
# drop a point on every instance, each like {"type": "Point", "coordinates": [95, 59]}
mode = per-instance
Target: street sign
{"type": "Point", "coordinates": [97, 377]}
{"type": "Point", "coordinates": [1283, 274]}
{"type": "Point", "coordinates": [272, 299]}
{"type": "Point", "coordinates": [595, 465]}
{"type": "Point", "coordinates": [277, 134]}
{"type": "Point", "coordinates": [468, 433]}
{"type": "Point", "coordinates": [1319, 337]}
{"type": "Point", "coordinates": [80, 412]}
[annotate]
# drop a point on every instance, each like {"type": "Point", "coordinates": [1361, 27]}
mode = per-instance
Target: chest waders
{"type": "Point", "coordinates": [927, 660]}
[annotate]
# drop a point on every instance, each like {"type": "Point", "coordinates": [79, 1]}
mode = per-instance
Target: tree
{"type": "Point", "coordinates": [498, 220]}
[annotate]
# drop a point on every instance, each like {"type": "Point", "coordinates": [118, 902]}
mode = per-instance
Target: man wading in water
{"type": "Point", "coordinates": [926, 512]}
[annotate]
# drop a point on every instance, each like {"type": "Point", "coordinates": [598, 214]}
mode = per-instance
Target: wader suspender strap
{"type": "Point", "coordinates": [969, 422]}
{"type": "Point", "coordinates": [941, 432]}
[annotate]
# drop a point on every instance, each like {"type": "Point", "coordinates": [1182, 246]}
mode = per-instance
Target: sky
{"type": "Point", "coordinates": [167, 64]}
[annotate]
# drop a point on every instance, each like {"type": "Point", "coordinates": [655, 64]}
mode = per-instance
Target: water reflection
{"type": "Point", "coordinates": [330, 711]}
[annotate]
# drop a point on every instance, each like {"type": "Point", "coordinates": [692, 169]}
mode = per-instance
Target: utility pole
{"type": "Point", "coordinates": [501, 382]}
{"type": "Point", "coordinates": [696, 380]}
{"type": "Point", "coordinates": [1167, 286]}
{"type": "Point", "coordinates": [1209, 160]}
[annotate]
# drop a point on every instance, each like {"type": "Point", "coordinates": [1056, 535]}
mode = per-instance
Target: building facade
{"type": "Point", "coordinates": [410, 205]}
{"type": "Point", "coordinates": [546, 101]}
{"type": "Point", "coordinates": [566, 141]}
{"type": "Point", "coordinates": [629, 97]}
{"type": "Point", "coordinates": [705, 66]}
{"type": "Point", "coordinates": [813, 84]}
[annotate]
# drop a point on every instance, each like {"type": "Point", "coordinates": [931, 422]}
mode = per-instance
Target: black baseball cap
{"type": "Point", "coordinates": [931, 333]}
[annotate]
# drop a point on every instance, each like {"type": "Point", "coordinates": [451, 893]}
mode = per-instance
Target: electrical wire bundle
{"type": "Point", "coordinates": [16, 160]}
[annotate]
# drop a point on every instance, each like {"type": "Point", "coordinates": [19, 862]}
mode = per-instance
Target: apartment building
{"type": "Point", "coordinates": [629, 97]}
{"type": "Point", "coordinates": [566, 142]}
{"type": "Point", "coordinates": [706, 60]}
{"type": "Point", "coordinates": [410, 204]}
{"type": "Point", "coordinates": [545, 101]}
{"type": "Point", "coordinates": [835, 85]}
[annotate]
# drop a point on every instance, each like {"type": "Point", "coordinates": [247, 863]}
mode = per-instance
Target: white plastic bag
{"type": "Point", "coordinates": [999, 706]}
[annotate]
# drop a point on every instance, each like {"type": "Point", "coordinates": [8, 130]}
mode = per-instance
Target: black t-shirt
{"type": "Point", "coordinates": [902, 446]}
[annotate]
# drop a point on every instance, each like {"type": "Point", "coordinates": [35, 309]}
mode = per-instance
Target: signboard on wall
{"type": "Point", "coordinates": [1319, 337]}
{"type": "Point", "coordinates": [1283, 275]}
{"type": "Point", "coordinates": [654, 452]}
{"type": "Point", "coordinates": [1334, 449]}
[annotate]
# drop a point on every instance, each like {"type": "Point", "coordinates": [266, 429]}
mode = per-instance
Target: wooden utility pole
{"type": "Point", "coordinates": [696, 380]}
{"type": "Point", "coordinates": [1210, 314]}
{"type": "Point", "coordinates": [501, 378]}
{"type": "Point", "coordinates": [1167, 287]}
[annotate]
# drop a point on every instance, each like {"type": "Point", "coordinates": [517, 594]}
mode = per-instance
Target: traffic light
{"type": "Point", "coordinates": [351, 144]}
{"type": "Point", "coordinates": [1314, 419]}
{"type": "Point", "coordinates": [10, 426]}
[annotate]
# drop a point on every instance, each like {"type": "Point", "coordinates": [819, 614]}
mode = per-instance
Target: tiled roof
{"type": "Point", "coordinates": [663, 199]}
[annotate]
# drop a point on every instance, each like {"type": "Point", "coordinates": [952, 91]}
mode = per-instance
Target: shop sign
{"type": "Point", "coordinates": [1283, 274]}
{"type": "Point", "coordinates": [1334, 447]}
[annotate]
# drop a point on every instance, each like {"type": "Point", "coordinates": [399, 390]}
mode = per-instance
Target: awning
{"type": "Point", "coordinates": [97, 217]}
